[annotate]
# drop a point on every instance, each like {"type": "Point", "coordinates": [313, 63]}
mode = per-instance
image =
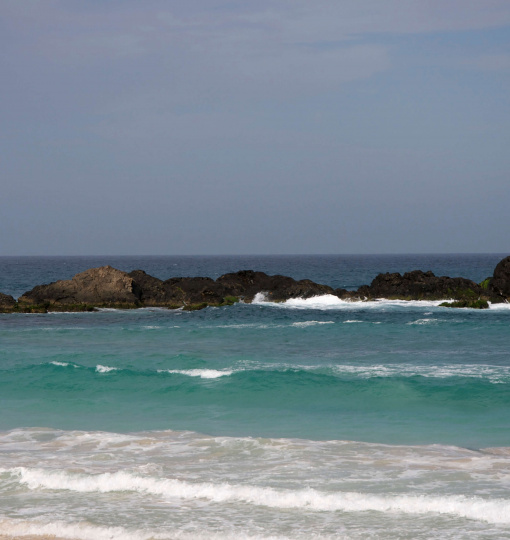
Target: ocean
{"type": "Point", "coordinates": [314, 418]}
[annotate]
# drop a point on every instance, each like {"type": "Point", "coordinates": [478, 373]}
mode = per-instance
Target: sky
{"type": "Point", "coordinates": [254, 127]}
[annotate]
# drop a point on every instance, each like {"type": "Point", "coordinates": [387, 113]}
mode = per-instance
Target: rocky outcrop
{"type": "Point", "coordinates": [109, 287]}
{"type": "Point", "coordinates": [418, 285]}
{"type": "Point", "coordinates": [499, 285]}
{"type": "Point", "coordinates": [104, 286]}
{"type": "Point", "coordinates": [150, 289]}
{"type": "Point", "coordinates": [7, 303]}
{"type": "Point", "coordinates": [196, 291]}
{"type": "Point", "coordinates": [247, 284]}
{"type": "Point", "coordinates": [179, 291]}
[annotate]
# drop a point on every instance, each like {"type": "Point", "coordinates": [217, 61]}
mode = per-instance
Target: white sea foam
{"type": "Point", "coordinates": [326, 301]}
{"type": "Point", "coordinates": [75, 531]}
{"type": "Point", "coordinates": [202, 373]}
{"type": "Point", "coordinates": [240, 325]}
{"type": "Point", "coordinates": [352, 321]}
{"type": "Point", "coordinates": [260, 298]}
{"type": "Point", "coordinates": [260, 326]}
{"type": "Point", "coordinates": [500, 307]}
{"type": "Point", "coordinates": [62, 364]}
{"type": "Point", "coordinates": [86, 531]}
{"type": "Point", "coordinates": [304, 324]}
{"type": "Point", "coordinates": [477, 508]}
{"type": "Point", "coordinates": [420, 322]}
{"type": "Point", "coordinates": [494, 374]}
{"type": "Point", "coordinates": [330, 301]}
{"type": "Point", "coordinates": [105, 369]}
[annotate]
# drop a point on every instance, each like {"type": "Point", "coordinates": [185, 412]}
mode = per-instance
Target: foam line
{"type": "Point", "coordinates": [86, 531]}
{"type": "Point", "coordinates": [492, 511]}
{"type": "Point", "coordinates": [202, 373]}
{"type": "Point", "coordinates": [330, 301]}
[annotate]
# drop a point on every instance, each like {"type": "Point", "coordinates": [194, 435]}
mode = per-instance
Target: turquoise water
{"type": "Point", "coordinates": [312, 417]}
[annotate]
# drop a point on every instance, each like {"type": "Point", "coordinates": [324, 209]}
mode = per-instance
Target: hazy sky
{"type": "Point", "coordinates": [283, 126]}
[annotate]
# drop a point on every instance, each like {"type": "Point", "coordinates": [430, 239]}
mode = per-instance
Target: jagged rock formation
{"type": "Point", "coordinates": [105, 286]}
{"type": "Point", "coordinates": [418, 285]}
{"type": "Point", "coordinates": [109, 287]}
{"type": "Point", "coordinates": [7, 303]}
{"type": "Point", "coordinates": [248, 283]}
{"type": "Point", "coordinates": [500, 283]}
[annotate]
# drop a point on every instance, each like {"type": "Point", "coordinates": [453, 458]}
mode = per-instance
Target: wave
{"type": "Point", "coordinates": [420, 322]}
{"type": "Point", "coordinates": [75, 531]}
{"type": "Point", "coordinates": [332, 302]}
{"type": "Point", "coordinates": [202, 373]}
{"type": "Point", "coordinates": [495, 374]}
{"type": "Point", "coordinates": [495, 511]}
{"type": "Point", "coordinates": [501, 307]}
{"type": "Point", "coordinates": [490, 373]}
{"type": "Point", "coordinates": [301, 324]}
{"type": "Point", "coordinates": [105, 369]}
{"type": "Point", "coordinates": [304, 324]}
{"type": "Point", "coordinates": [86, 531]}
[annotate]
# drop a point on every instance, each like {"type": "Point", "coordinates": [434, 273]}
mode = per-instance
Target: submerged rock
{"type": "Point", "coordinates": [473, 304]}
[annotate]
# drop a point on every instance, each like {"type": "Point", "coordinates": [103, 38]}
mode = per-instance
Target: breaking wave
{"type": "Point", "coordinates": [476, 508]}
{"type": "Point", "coordinates": [202, 373]}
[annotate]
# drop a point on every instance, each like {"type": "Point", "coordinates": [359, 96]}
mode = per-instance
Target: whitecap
{"type": "Point", "coordinates": [202, 373]}
{"type": "Point", "coordinates": [494, 374]}
{"type": "Point", "coordinates": [423, 321]}
{"type": "Point", "coordinates": [85, 531]}
{"type": "Point", "coordinates": [304, 324]}
{"type": "Point", "coordinates": [500, 307]}
{"type": "Point", "coordinates": [330, 301]}
{"type": "Point", "coordinates": [105, 369]}
{"type": "Point", "coordinates": [476, 508]}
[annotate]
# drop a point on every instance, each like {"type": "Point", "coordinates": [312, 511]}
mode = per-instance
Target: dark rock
{"type": "Point", "coordinates": [418, 285]}
{"type": "Point", "coordinates": [186, 291]}
{"type": "Point", "coordinates": [361, 294]}
{"type": "Point", "coordinates": [473, 304]}
{"type": "Point", "coordinates": [150, 289]}
{"type": "Point", "coordinates": [247, 283]}
{"type": "Point", "coordinates": [500, 282]}
{"type": "Point", "coordinates": [104, 286]}
{"type": "Point", "coordinates": [107, 286]}
{"type": "Point", "coordinates": [7, 303]}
